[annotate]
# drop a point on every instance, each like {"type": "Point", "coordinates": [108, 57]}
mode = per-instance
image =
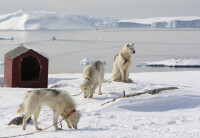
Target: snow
{"type": "Point", "coordinates": [39, 52]}
{"type": "Point", "coordinates": [193, 62]}
{"type": "Point", "coordinates": [172, 113]}
{"type": "Point", "coordinates": [87, 61]}
{"type": "Point", "coordinates": [43, 20]}
{"type": "Point", "coordinates": [1, 63]}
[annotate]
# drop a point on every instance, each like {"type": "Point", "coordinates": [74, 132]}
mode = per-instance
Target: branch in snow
{"type": "Point", "coordinates": [154, 91]}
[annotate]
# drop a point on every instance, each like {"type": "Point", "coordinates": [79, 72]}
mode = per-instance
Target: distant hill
{"type": "Point", "coordinates": [42, 20]}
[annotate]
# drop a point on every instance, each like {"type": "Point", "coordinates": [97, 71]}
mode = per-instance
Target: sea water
{"type": "Point", "coordinates": [71, 46]}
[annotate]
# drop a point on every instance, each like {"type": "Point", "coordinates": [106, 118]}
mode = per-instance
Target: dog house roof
{"type": "Point", "coordinates": [20, 50]}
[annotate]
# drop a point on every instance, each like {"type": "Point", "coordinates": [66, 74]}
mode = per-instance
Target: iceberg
{"type": "Point", "coordinates": [87, 61]}
{"type": "Point", "coordinates": [42, 20]}
{"type": "Point", "coordinates": [162, 22]}
{"type": "Point", "coordinates": [175, 63]}
{"type": "Point", "coordinates": [1, 63]}
{"type": "Point", "coordinates": [12, 38]}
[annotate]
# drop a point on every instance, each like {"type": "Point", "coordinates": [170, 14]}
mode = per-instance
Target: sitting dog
{"type": "Point", "coordinates": [93, 75]}
{"type": "Point", "coordinates": [122, 62]}
{"type": "Point", "coordinates": [59, 101]}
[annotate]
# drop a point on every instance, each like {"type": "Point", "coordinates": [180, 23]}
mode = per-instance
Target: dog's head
{"type": "Point", "coordinates": [86, 87]}
{"type": "Point", "coordinates": [74, 119]}
{"type": "Point", "coordinates": [129, 47]}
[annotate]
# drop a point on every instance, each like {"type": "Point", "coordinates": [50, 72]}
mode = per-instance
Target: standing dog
{"type": "Point", "coordinates": [59, 101]}
{"type": "Point", "coordinates": [93, 75]}
{"type": "Point", "coordinates": [122, 63]}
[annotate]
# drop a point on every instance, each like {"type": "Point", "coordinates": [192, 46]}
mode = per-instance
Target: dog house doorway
{"type": "Point", "coordinates": [30, 69]}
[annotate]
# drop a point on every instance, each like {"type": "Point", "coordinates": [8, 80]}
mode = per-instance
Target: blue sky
{"type": "Point", "coordinates": [107, 8]}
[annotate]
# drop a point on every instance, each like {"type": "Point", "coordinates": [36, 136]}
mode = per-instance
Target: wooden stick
{"type": "Point", "coordinates": [154, 91]}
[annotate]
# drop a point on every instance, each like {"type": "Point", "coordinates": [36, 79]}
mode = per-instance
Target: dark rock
{"type": "Point", "coordinates": [18, 120]}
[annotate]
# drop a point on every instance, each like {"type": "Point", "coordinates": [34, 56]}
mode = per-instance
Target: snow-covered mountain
{"type": "Point", "coordinates": [39, 20]}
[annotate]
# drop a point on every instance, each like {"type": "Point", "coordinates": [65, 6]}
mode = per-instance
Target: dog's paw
{"type": "Point", "coordinates": [69, 127]}
{"type": "Point", "coordinates": [99, 93]}
{"type": "Point", "coordinates": [129, 80]}
{"type": "Point", "coordinates": [38, 129]}
{"type": "Point", "coordinates": [123, 81]}
{"type": "Point", "coordinates": [58, 128]}
{"type": "Point", "coordinates": [90, 96]}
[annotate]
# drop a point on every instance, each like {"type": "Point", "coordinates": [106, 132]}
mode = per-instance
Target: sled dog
{"type": "Point", "coordinates": [122, 62]}
{"type": "Point", "coordinates": [59, 101]}
{"type": "Point", "coordinates": [93, 75]}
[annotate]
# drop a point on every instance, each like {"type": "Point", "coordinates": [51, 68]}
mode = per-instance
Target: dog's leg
{"type": "Point", "coordinates": [101, 79]}
{"type": "Point", "coordinates": [93, 89]}
{"type": "Point", "coordinates": [25, 118]}
{"type": "Point", "coordinates": [36, 114]}
{"type": "Point", "coordinates": [128, 80]}
{"type": "Point", "coordinates": [122, 75]}
{"type": "Point", "coordinates": [100, 83]}
{"type": "Point", "coordinates": [55, 120]}
{"type": "Point", "coordinates": [68, 124]}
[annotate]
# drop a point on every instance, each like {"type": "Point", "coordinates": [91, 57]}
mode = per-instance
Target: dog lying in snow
{"type": "Point", "coordinates": [59, 101]}
{"type": "Point", "coordinates": [93, 75]}
{"type": "Point", "coordinates": [122, 63]}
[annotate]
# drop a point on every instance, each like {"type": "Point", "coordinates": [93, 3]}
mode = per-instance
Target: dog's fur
{"type": "Point", "coordinates": [122, 63]}
{"type": "Point", "coordinates": [93, 75]}
{"type": "Point", "coordinates": [59, 101]}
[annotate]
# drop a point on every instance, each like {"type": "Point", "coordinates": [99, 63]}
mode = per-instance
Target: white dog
{"type": "Point", "coordinates": [59, 101]}
{"type": "Point", "coordinates": [122, 63]}
{"type": "Point", "coordinates": [93, 75]}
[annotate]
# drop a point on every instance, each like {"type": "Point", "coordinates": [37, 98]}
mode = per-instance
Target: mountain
{"type": "Point", "coordinates": [42, 20]}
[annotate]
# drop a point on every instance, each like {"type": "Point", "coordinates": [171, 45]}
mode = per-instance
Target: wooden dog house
{"type": "Point", "coordinates": [25, 68]}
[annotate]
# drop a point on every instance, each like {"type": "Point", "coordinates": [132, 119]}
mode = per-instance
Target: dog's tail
{"type": "Point", "coordinates": [20, 109]}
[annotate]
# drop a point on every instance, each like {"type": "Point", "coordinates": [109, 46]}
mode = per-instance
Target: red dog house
{"type": "Point", "coordinates": [25, 68]}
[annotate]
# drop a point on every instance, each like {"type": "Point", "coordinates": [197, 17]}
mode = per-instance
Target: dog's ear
{"type": "Point", "coordinates": [130, 44]}
{"type": "Point", "coordinates": [127, 44]}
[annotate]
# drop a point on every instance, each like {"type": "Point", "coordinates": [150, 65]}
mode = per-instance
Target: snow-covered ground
{"type": "Point", "coordinates": [173, 113]}
{"type": "Point", "coordinates": [176, 63]}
